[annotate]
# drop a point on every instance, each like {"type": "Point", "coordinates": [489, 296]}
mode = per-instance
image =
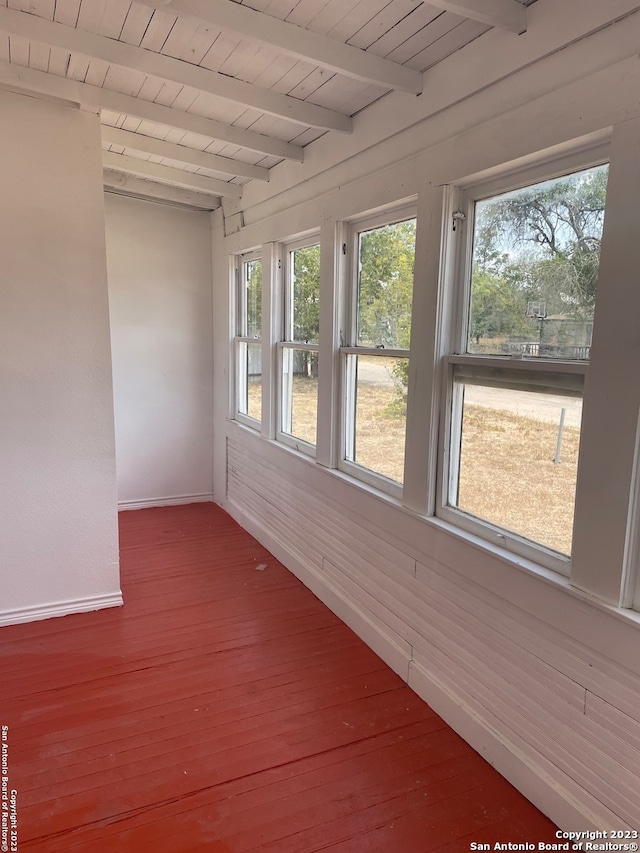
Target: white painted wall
{"type": "Point", "coordinates": [58, 525]}
{"type": "Point", "coordinates": [159, 263]}
{"type": "Point", "coordinates": [541, 678]}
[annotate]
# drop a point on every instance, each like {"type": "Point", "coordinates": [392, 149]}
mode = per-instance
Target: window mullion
{"type": "Point", "coordinates": [245, 405]}
{"type": "Point", "coordinates": [286, 373]}
{"type": "Point", "coordinates": [602, 552]}
{"type": "Point", "coordinates": [332, 276]}
{"type": "Point", "coordinates": [270, 331]}
{"type": "Point", "coordinates": [423, 402]}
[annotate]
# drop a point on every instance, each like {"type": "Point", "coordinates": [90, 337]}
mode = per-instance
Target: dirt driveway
{"type": "Point", "coordinates": [543, 407]}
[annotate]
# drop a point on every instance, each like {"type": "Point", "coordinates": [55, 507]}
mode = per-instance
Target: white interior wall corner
{"type": "Point", "coordinates": [59, 522]}
{"type": "Point", "coordinates": [159, 264]}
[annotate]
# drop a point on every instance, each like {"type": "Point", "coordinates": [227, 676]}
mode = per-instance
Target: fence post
{"type": "Point", "coordinates": [556, 459]}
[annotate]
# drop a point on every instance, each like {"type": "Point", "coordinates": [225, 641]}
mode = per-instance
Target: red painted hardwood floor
{"type": "Point", "coordinates": [225, 709]}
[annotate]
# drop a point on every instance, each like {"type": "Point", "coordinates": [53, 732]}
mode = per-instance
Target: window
{"type": "Point", "coordinates": [247, 342]}
{"type": "Point", "coordinates": [523, 340]}
{"type": "Point", "coordinates": [299, 348]}
{"type": "Point", "coordinates": [376, 351]}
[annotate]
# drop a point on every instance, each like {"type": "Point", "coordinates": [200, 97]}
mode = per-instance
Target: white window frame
{"type": "Point", "coordinates": [556, 372]}
{"type": "Point", "coordinates": [242, 340]}
{"type": "Point", "coordinates": [287, 345]}
{"type": "Point", "coordinates": [349, 349]}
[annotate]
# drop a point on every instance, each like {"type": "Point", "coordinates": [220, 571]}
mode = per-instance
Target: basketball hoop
{"type": "Point", "coordinates": [536, 310]}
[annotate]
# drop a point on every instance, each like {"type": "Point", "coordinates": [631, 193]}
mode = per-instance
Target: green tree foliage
{"type": "Point", "coordinates": [305, 306]}
{"type": "Point", "coordinates": [253, 284]}
{"type": "Point", "coordinates": [386, 258]}
{"type": "Point", "coordinates": [541, 244]}
{"type": "Point", "coordinates": [306, 294]}
{"type": "Point", "coordinates": [386, 285]}
{"type": "Point", "coordinates": [497, 307]}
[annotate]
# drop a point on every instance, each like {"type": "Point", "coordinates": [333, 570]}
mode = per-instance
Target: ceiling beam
{"type": "Point", "coordinates": [124, 184]}
{"type": "Point", "coordinates": [504, 14]}
{"type": "Point", "coordinates": [52, 34]}
{"type": "Point", "coordinates": [41, 83]}
{"type": "Point", "coordinates": [181, 153]}
{"type": "Point", "coordinates": [168, 175]}
{"type": "Point", "coordinates": [301, 43]}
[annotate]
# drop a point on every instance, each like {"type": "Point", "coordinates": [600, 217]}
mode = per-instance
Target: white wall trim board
{"type": "Point", "coordinates": [173, 500]}
{"type": "Point", "coordinates": [60, 608]}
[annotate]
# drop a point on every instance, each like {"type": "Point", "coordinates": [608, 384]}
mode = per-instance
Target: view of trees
{"type": "Point", "coordinates": [539, 245]}
{"type": "Point", "coordinates": [253, 284]}
{"type": "Point", "coordinates": [304, 322]}
{"type": "Point", "coordinates": [306, 294]}
{"type": "Point", "coordinates": [386, 285]}
{"type": "Point", "coordinates": [533, 289]}
{"type": "Point", "coordinates": [386, 258]}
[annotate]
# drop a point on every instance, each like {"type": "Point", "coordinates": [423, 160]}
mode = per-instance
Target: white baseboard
{"type": "Point", "coordinates": [173, 500]}
{"type": "Point", "coordinates": [539, 784]}
{"type": "Point", "coordinates": [60, 608]}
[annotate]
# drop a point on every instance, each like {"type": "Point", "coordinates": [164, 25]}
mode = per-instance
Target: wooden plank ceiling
{"type": "Point", "coordinates": [197, 97]}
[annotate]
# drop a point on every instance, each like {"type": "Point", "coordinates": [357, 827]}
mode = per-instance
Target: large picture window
{"type": "Point", "coordinates": [523, 341]}
{"type": "Point", "coordinates": [248, 338]}
{"type": "Point", "coordinates": [376, 354]}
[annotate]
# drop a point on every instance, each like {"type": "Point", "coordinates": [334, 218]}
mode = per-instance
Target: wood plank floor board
{"type": "Point", "coordinates": [286, 822]}
{"type": "Point", "coordinates": [446, 768]}
{"type": "Point", "coordinates": [259, 792]}
{"type": "Point", "coordinates": [158, 722]}
{"type": "Point", "coordinates": [252, 697]}
{"type": "Point", "coordinates": [27, 659]}
{"type": "Point", "coordinates": [287, 648]}
{"type": "Point", "coordinates": [211, 761]}
{"type": "Point", "coordinates": [328, 649]}
{"type": "Point", "coordinates": [225, 709]}
{"type": "Point", "coordinates": [166, 741]}
{"type": "Point", "coordinates": [282, 780]}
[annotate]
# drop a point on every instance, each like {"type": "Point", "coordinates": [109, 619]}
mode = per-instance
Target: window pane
{"type": "Point", "coordinates": [300, 393]}
{"type": "Point", "coordinates": [253, 297]}
{"type": "Point", "coordinates": [385, 285]}
{"type": "Point", "coordinates": [517, 462]}
{"type": "Point", "coordinates": [305, 295]}
{"type": "Point", "coordinates": [377, 413]}
{"type": "Point", "coordinates": [535, 268]}
{"type": "Point", "coordinates": [250, 379]}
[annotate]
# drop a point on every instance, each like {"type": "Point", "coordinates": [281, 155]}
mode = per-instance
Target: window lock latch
{"type": "Point", "coordinates": [458, 216]}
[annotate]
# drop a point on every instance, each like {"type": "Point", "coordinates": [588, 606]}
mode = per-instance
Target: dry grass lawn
{"type": "Point", "coordinates": [508, 476]}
